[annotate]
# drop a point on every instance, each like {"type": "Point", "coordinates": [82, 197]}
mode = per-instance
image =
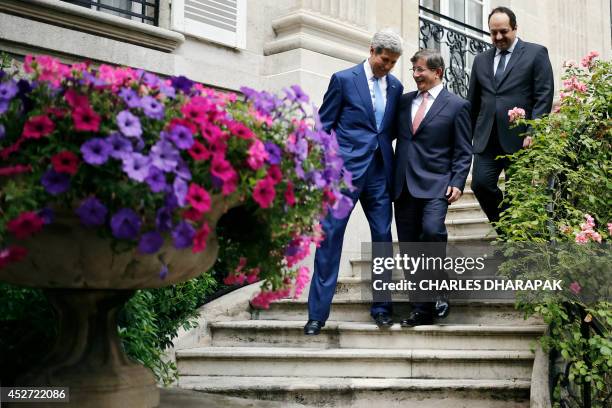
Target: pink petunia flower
{"type": "Point", "coordinates": [199, 240]}
{"type": "Point", "coordinates": [257, 154]}
{"type": "Point", "coordinates": [264, 193]}
{"type": "Point", "coordinates": [199, 198]}
{"type": "Point", "coordinates": [25, 225]}
{"type": "Point", "coordinates": [37, 127]}
{"type": "Point", "coordinates": [86, 119]}
{"type": "Point", "coordinates": [575, 287]}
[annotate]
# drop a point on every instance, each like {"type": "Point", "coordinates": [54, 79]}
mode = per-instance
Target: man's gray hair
{"type": "Point", "coordinates": [433, 58]}
{"type": "Point", "coordinates": [386, 40]}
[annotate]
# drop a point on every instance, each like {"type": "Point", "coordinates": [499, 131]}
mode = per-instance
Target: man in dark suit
{"type": "Point", "coordinates": [514, 73]}
{"type": "Point", "coordinates": [359, 106]}
{"type": "Point", "coordinates": [433, 157]}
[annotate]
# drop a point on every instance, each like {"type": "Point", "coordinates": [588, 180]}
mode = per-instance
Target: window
{"type": "Point", "coordinates": [144, 11]}
{"type": "Point", "coordinates": [455, 28]}
{"type": "Point", "coordinates": [220, 21]}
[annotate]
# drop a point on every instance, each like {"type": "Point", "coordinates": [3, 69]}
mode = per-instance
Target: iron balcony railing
{"type": "Point", "coordinates": [459, 44]}
{"type": "Point", "coordinates": [144, 11]}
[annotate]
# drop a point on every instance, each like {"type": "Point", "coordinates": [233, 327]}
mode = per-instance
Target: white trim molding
{"type": "Point", "coordinates": [78, 18]}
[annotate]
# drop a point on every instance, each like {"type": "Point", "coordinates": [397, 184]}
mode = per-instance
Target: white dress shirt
{"type": "Point", "coordinates": [381, 81]}
{"type": "Point", "coordinates": [433, 94]}
{"type": "Point", "coordinates": [508, 56]}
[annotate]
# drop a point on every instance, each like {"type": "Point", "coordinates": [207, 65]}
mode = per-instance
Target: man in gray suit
{"type": "Point", "coordinates": [514, 73]}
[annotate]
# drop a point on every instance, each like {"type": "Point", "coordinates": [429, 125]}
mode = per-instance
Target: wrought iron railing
{"type": "Point", "coordinates": [144, 11]}
{"type": "Point", "coordinates": [458, 47]}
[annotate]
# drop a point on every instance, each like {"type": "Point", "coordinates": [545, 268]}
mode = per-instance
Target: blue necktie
{"type": "Point", "coordinates": [379, 104]}
{"type": "Point", "coordinates": [501, 66]}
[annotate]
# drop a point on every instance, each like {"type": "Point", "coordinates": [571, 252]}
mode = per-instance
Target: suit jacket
{"type": "Point", "coordinates": [527, 83]}
{"type": "Point", "coordinates": [439, 154]}
{"type": "Point", "coordinates": [347, 110]}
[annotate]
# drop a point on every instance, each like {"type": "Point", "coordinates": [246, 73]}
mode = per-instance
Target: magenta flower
{"type": "Point", "coordinates": [575, 287]}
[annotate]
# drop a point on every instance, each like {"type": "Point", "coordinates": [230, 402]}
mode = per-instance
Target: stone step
{"type": "Point", "coordinates": [461, 210]}
{"type": "Point", "coordinates": [334, 392]}
{"type": "Point", "coordinates": [469, 226]}
{"type": "Point", "coordinates": [275, 333]}
{"type": "Point", "coordinates": [467, 196]}
{"type": "Point", "coordinates": [355, 363]}
{"type": "Point", "coordinates": [358, 310]}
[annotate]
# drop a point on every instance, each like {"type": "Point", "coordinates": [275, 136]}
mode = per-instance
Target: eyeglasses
{"type": "Point", "coordinates": [420, 70]}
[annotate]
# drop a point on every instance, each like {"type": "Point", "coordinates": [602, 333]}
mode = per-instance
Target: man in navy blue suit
{"type": "Point", "coordinates": [359, 106]}
{"type": "Point", "coordinates": [433, 157]}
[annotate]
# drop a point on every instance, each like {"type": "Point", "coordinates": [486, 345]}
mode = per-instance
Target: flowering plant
{"type": "Point", "coordinates": [143, 160]}
{"type": "Point", "coordinates": [559, 196]}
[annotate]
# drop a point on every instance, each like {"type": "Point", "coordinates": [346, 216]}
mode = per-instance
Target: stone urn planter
{"type": "Point", "coordinates": [88, 283]}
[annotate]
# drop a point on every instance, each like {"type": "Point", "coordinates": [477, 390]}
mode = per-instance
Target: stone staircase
{"type": "Point", "coordinates": [479, 357]}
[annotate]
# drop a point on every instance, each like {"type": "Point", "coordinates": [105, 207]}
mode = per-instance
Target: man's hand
{"type": "Point", "coordinates": [452, 194]}
{"type": "Point", "coordinates": [527, 142]}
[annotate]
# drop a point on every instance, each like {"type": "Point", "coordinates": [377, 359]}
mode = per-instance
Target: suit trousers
{"type": "Point", "coordinates": [422, 220]}
{"type": "Point", "coordinates": [485, 174]}
{"type": "Point", "coordinates": [374, 195]}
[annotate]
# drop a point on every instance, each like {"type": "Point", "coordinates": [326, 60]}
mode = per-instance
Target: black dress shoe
{"type": "Point", "coordinates": [442, 308]}
{"type": "Point", "coordinates": [417, 318]}
{"type": "Point", "coordinates": [383, 320]}
{"type": "Point", "coordinates": [313, 327]}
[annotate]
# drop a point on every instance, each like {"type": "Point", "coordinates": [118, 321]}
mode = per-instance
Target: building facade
{"type": "Point", "coordinates": [270, 44]}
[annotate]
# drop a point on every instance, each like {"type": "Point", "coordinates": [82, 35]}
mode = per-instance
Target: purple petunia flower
{"type": "Point", "coordinates": [163, 219]}
{"type": "Point", "coordinates": [300, 96]}
{"type": "Point", "coordinates": [151, 80]}
{"type": "Point", "coordinates": [170, 201]}
{"type": "Point", "coordinates": [4, 104]}
{"type": "Point", "coordinates": [55, 183]}
{"type": "Point", "coordinates": [129, 124]}
{"type": "Point", "coordinates": [92, 212]}
{"type": "Point", "coordinates": [95, 151]}
{"type": "Point", "coordinates": [180, 191]}
{"type": "Point", "coordinates": [342, 207]}
{"type": "Point", "coordinates": [169, 91]}
{"type": "Point", "coordinates": [182, 235]}
{"type": "Point", "coordinates": [182, 83]}
{"type": "Point", "coordinates": [181, 136]}
{"type": "Point", "coordinates": [47, 215]}
{"type": "Point", "coordinates": [8, 90]}
{"type": "Point", "coordinates": [136, 166]}
{"type": "Point", "coordinates": [150, 242]}
{"type": "Point", "coordinates": [156, 179]}
{"type": "Point", "coordinates": [347, 176]}
{"type": "Point", "coordinates": [152, 107]}
{"type": "Point", "coordinates": [163, 272]}
{"type": "Point", "coordinates": [317, 178]}
{"type": "Point", "coordinates": [130, 97]}
{"type": "Point", "coordinates": [2, 131]}
{"type": "Point", "coordinates": [125, 224]}
{"type": "Point", "coordinates": [274, 152]}
{"type": "Point", "coordinates": [120, 146]}
{"type": "Point", "coordinates": [164, 155]}
{"type": "Point", "coordinates": [182, 170]}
